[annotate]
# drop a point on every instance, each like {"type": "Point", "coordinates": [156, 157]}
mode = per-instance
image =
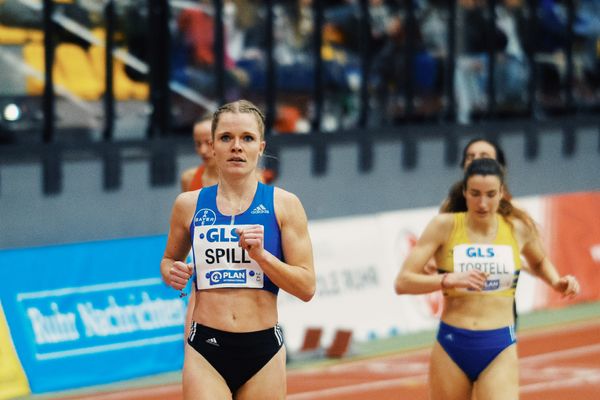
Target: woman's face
{"type": "Point", "coordinates": [237, 143]}
{"type": "Point", "coordinates": [479, 149]}
{"type": "Point", "coordinates": [483, 194]}
{"type": "Point", "coordinates": [203, 141]}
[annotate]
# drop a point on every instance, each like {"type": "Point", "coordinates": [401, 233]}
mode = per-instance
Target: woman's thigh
{"type": "Point", "coordinates": [446, 380]}
{"type": "Point", "coordinates": [267, 384]}
{"type": "Point", "coordinates": [500, 379]}
{"type": "Point", "coordinates": [200, 380]}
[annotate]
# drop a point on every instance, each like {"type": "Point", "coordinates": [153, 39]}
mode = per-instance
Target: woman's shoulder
{"type": "Point", "coordinates": [445, 219]}
{"type": "Point", "coordinates": [284, 196]}
{"type": "Point", "coordinates": [287, 205]}
{"type": "Point", "coordinates": [441, 225]}
{"type": "Point", "coordinates": [186, 199]}
{"type": "Point", "coordinates": [521, 230]}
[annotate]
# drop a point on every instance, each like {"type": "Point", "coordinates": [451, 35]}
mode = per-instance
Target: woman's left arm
{"type": "Point", "coordinates": [542, 267]}
{"type": "Point", "coordinates": [296, 275]}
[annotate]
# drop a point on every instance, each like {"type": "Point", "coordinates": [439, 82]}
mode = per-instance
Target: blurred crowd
{"type": "Point", "coordinates": [505, 31]}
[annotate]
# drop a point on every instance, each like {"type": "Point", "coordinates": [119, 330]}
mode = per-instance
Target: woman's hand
{"type": "Point", "coordinates": [252, 240]}
{"type": "Point", "coordinates": [567, 285]}
{"type": "Point", "coordinates": [472, 280]}
{"type": "Point", "coordinates": [179, 275]}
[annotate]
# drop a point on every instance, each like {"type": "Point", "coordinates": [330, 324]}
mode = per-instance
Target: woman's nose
{"type": "Point", "coordinates": [237, 144]}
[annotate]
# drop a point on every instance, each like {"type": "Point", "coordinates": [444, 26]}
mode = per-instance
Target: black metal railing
{"type": "Point", "coordinates": [162, 147]}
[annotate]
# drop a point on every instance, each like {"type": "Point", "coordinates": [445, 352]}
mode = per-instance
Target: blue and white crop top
{"type": "Point", "coordinates": [218, 260]}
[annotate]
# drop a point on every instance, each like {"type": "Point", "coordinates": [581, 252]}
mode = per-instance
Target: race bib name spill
{"type": "Point", "coordinates": [221, 262]}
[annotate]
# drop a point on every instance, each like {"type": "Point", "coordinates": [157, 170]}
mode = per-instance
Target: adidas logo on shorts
{"type": "Point", "coordinates": [260, 209]}
{"type": "Point", "coordinates": [212, 341]}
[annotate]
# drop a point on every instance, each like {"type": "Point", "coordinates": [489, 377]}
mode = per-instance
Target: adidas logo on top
{"type": "Point", "coordinates": [212, 341]}
{"type": "Point", "coordinates": [260, 209]}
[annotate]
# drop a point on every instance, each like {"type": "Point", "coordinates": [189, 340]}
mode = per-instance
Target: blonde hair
{"type": "Point", "coordinates": [238, 107]}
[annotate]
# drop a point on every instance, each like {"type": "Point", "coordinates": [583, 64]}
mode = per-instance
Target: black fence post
{"type": "Point", "coordinates": [271, 160]}
{"type": "Point", "coordinates": [162, 164]}
{"type": "Point", "coordinates": [451, 62]}
{"type": "Point", "coordinates": [411, 36]}
{"type": "Point", "coordinates": [48, 134]}
{"type": "Point", "coordinates": [319, 155]}
{"type": "Point", "coordinates": [111, 157]}
{"type": "Point", "coordinates": [366, 141]}
{"type": "Point", "coordinates": [569, 141]}
{"type": "Point", "coordinates": [159, 61]}
{"type": "Point", "coordinates": [219, 49]}
{"type": "Point", "coordinates": [271, 88]}
{"type": "Point", "coordinates": [491, 53]}
{"type": "Point", "coordinates": [530, 52]}
{"type": "Point", "coordinates": [112, 167]}
{"type": "Point", "coordinates": [531, 140]}
{"type": "Point", "coordinates": [109, 98]}
{"type": "Point", "coordinates": [51, 169]}
{"type": "Point", "coordinates": [570, 101]}
{"type": "Point", "coordinates": [451, 149]}
{"type": "Point", "coordinates": [409, 150]}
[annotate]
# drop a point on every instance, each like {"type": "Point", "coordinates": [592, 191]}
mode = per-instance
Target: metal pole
{"type": "Point", "coordinates": [491, 51]}
{"type": "Point", "coordinates": [451, 62]}
{"type": "Point", "coordinates": [219, 49]}
{"type": "Point", "coordinates": [271, 88]}
{"type": "Point", "coordinates": [533, 75]}
{"type": "Point", "coordinates": [109, 99]}
{"type": "Point", "coordinates": [570, 103]}
{"type": "Point", "coordinates": [366, 141]}
{"type": "Point", "coordinates": [48, 98]}
{"type": "Point", "coordinates": [318, 78]}
{"type": "Point", "coordinates": [158, 50]}
{"type": "Point", "coordinates": [411, 30]}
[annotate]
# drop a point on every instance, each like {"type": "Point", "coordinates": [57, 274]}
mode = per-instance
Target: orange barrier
{"type": "Point", "coordinates": [574, 243]}
{"type": "Point", "coordinates": [312, 339]}
{"type": "Point", "coordinates": [340, 345]}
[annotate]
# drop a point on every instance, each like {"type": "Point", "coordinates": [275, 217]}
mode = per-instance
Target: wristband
{"type": "Point", "coordinates": [443, 280]}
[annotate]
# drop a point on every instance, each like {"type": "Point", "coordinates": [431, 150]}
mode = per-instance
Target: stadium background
{"type": "Point", "coordinates": [84, 245]}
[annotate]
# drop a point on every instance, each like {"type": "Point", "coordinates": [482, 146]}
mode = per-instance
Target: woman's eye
{"type": "Point", "coordinates": [248, 138]}
{"type": "Point", "coordinates": [225, 138]}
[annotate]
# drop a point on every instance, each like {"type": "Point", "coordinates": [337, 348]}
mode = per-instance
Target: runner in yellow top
{"type": "Point", "coordinates": [499, 260]}
{"type": "Point", "coordinates": [479, 249]}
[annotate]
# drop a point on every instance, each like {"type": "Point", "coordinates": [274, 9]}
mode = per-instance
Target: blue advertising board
{"type": "Point", "coordinates": [91, 313]}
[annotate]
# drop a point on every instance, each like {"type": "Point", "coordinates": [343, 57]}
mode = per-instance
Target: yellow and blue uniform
{"type": "Point", "coordinates": [474, 350]}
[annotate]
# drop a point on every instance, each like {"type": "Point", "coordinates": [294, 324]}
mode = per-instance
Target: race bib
{"type": "Point", "coordinates": [221, 262]}
{"type": "Point", "coordinates": [495, 260]}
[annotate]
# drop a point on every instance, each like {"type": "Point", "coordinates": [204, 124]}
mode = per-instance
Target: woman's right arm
{"type": "Point", "coordinates": [174, 271]}
{"type": "Point", "coordinates": [411, 279]}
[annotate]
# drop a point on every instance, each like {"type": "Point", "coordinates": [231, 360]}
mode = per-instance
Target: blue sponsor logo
{"type": "Point", "coordinates": [205, 216]}
{"type": "Point", "coordinates": [480, 252]}
{"type": "Point", "coordinates": [224, 276]}
{"type": "Point", "coordinates": [220, 235]}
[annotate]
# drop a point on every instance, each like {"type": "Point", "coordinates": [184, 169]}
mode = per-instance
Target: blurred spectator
{"type": "Point", "coordinates": [391, 70]}
{"type": "Point", "coordinates": [587, 25]}
{"type": "Point", "coordinates": [196, 28]}
{"type": "Point", "coordinates": [471, 72]}
{"type": "Point", "coordinates": [15, 13]}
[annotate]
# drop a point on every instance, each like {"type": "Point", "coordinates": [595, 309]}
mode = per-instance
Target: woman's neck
{"type": "Point", "coordinates": [482, 227]}
{"type": "Point", "coordinates": [238, 189]}
{"type": "Point", "coordinates": [210, 176]}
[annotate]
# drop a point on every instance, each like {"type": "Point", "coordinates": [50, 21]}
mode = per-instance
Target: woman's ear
{"type": "Point", "coordinates": [263, 144]}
